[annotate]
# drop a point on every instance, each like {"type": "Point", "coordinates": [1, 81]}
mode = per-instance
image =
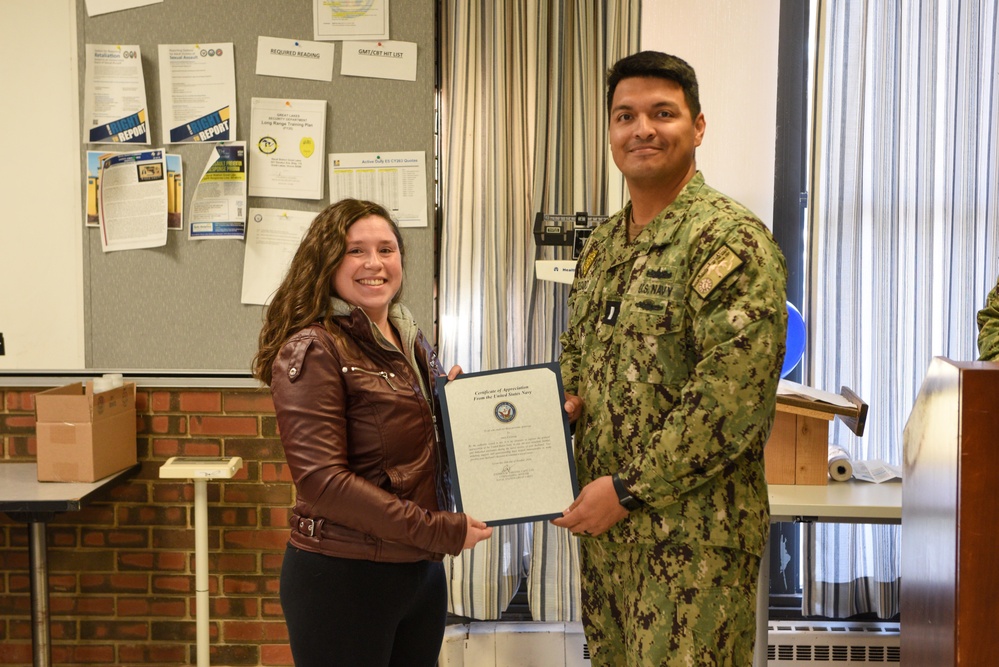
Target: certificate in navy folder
{"type": "Point", "coordinates": [508, 442]}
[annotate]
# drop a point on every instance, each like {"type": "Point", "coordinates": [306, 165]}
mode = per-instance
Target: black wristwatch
{"type": "Point", "coordinates": [628, 501]}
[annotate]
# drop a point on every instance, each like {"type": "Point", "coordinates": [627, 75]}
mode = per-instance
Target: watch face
{"type": "Point", "coordinates": [629, 503]}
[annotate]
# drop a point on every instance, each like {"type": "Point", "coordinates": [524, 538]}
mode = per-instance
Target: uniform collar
{"type": "Point", "coordinates": [663, 228]}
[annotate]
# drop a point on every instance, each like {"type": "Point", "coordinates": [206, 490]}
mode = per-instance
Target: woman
{"type": "Point", "coordinates": [351, 376]}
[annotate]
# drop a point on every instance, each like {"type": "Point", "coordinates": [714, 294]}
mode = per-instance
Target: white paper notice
{"type": "Point", "coordinates": [198, 85]}
{"type": "Point", "coordinates": [114, 101]}
{"type": "Point", "coordinates": [794, 389]}
{"type": "Point", "coordinates": [397, 181]}
{"type": "Point", "coordinates": [294, 58]}
{"type": "Point", "coordinates": [876, 470]}
{"type": "Point", "coordinates": [97, 7]}
{"type": "Point", "coordinates": [218, 209]}
{"type": "Point", "coordinates": [272, 237]}
{"type": "Point", "coordinates": [557, 270]}
{"type": "Point", "coordinates": [287, 144]}
{"type": "Point", "coordinates": [379, 60]}
{"type": "Point", "coordinates": [351, 19]}
{"type": "Point", "coordinates": [133, 201]}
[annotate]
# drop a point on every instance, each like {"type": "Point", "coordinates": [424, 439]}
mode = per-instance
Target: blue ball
{"type": "Point", "coordinates": [795, 340]}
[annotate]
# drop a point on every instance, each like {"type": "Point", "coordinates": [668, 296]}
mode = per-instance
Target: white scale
{"type": "Point", "coordinates": [200, 470]}
{"type": "Point", "coordinates": [195, 467]}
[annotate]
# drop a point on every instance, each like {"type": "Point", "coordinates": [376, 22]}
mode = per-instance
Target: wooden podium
{"type": "Point", "coordinates": [950, 514]}
{"type": "Point", "coordinates": [798, 449]}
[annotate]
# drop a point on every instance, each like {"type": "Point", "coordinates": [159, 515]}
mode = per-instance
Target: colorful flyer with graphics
{"type": "Point", "coordinates": [132, 201]}
{"type": "Point", "coordinates": [114, 101]}
{"type": "Point", "coordinates": [287, 144]}
{"type": "Point", "coordinates": [175, 191]}
{"type": "Point", "coordinates": [508, 443]}
{"type": "Point", "coordinates": [95, 160]}
{"type": "Point", "coordinates": [198, 86]}
{"type": "Point", "coordinates": [218, 208]}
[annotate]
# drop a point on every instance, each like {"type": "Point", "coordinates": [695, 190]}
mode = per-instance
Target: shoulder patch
{"type": "Point", "coordinates": [715, 270]}
{"type": "Point", "coordinates": [587, 264]}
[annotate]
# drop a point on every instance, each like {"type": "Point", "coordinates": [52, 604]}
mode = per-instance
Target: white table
{"type": "Point", "coordinates": [24, 498]}
{"type": "Point", "coordinates": [836, 502]}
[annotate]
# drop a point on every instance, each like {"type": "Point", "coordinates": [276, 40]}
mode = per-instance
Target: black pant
{"type": "Point", "coordinates": [358, 613]}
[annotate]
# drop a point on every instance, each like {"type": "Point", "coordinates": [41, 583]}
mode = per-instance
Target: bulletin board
{"type": "Point", "coordinates": [177, 307]}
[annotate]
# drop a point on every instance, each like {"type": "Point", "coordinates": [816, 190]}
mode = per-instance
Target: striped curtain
{"type": "Point", "coordinates": [523, 130]}
{"type": "Point", "coordinates": [905, 240]}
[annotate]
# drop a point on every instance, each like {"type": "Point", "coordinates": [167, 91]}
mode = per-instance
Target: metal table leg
{"type": "Point", "coordinates": [38, 557]}
{"type": "Point", "coordinates": [763, 610]}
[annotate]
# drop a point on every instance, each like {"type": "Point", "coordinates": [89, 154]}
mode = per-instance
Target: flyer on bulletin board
{"type": "Point", "coordinates": [272, 239]}
{"type": "Point", "coordinates": [98, 7]}
{"type": "Point", "coordinates": [175, 191]}
{"type": "Point", "coordinates": [287, 144]}
{"type": "Point", "coordinates": [294, 58]}
{"type": "Point", "coordinates": [114, 101]}
{"type": "Point", "coordinates": [350, 19]}
{"type": "Point", "coordinates": [397, 181]}
{"type": "Point", "coordinates": [218, 208]}
{"type": "Point", "coordinates": [198, 85]}
{"type": "Point", "coordinates": [95, 160]}
{"type": "Point", "coordinates": [132, 201]}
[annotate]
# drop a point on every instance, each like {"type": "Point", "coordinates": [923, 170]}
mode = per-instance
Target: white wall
{"type": "Point", "coordinates": [733, 48]}
{"type": "Point", "coordinates": [41, 300]}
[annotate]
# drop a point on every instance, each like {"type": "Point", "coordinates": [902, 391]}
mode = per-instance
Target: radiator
{"type": "Point", "coordinates": [814, 643]}
{"type": "Point", "coordinates": [514, 644]}
{"type": "Point", "coordinates": [791, 644]}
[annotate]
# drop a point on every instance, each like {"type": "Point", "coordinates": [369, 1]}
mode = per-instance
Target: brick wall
{"type": "Point", "coordinates": [121, 570]}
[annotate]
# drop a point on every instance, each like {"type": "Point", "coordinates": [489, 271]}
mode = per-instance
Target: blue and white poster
{"type": "Point", "coordinates": [114, 103]}
{"type": "Point", "coordinates": [198, 87]}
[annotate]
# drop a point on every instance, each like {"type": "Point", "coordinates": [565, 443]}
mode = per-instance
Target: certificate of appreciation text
{"type": "Point", "coordinates": [508, 443]}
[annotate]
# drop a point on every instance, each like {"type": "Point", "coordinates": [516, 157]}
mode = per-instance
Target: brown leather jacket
{"type": "Point", "coordinates": [360, 439]}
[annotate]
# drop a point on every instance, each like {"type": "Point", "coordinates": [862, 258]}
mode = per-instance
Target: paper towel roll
{"type": "Point", "coordinates": [840, 465]}
{"type": "Point", "coordinates": [101, 384]}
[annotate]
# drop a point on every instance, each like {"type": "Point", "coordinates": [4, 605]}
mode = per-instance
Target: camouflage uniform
{"type": "Point", "coordinates": [675, 344]}
{"type": "Point", "coordinates": [988, 327]}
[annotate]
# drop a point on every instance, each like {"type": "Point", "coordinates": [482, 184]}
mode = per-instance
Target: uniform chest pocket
{"type": "Point", "coordinates": [650, 336]}
{"type": "Point", "coordinates": [581, 304]}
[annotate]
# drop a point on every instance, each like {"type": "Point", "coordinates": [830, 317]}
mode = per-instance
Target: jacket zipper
{"type": "Point", "coordinates": [383, 374]}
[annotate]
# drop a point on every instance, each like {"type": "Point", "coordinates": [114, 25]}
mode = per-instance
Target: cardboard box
{"type": "Point", "coordinates": [83, 437]}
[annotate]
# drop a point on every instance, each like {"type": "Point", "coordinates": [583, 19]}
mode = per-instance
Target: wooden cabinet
{"type": "Point", "coordinates": [950, 518]}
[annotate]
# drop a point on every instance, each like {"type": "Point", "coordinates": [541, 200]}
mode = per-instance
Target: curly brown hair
{"type": "Point", "coordinates": [304, 294]}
